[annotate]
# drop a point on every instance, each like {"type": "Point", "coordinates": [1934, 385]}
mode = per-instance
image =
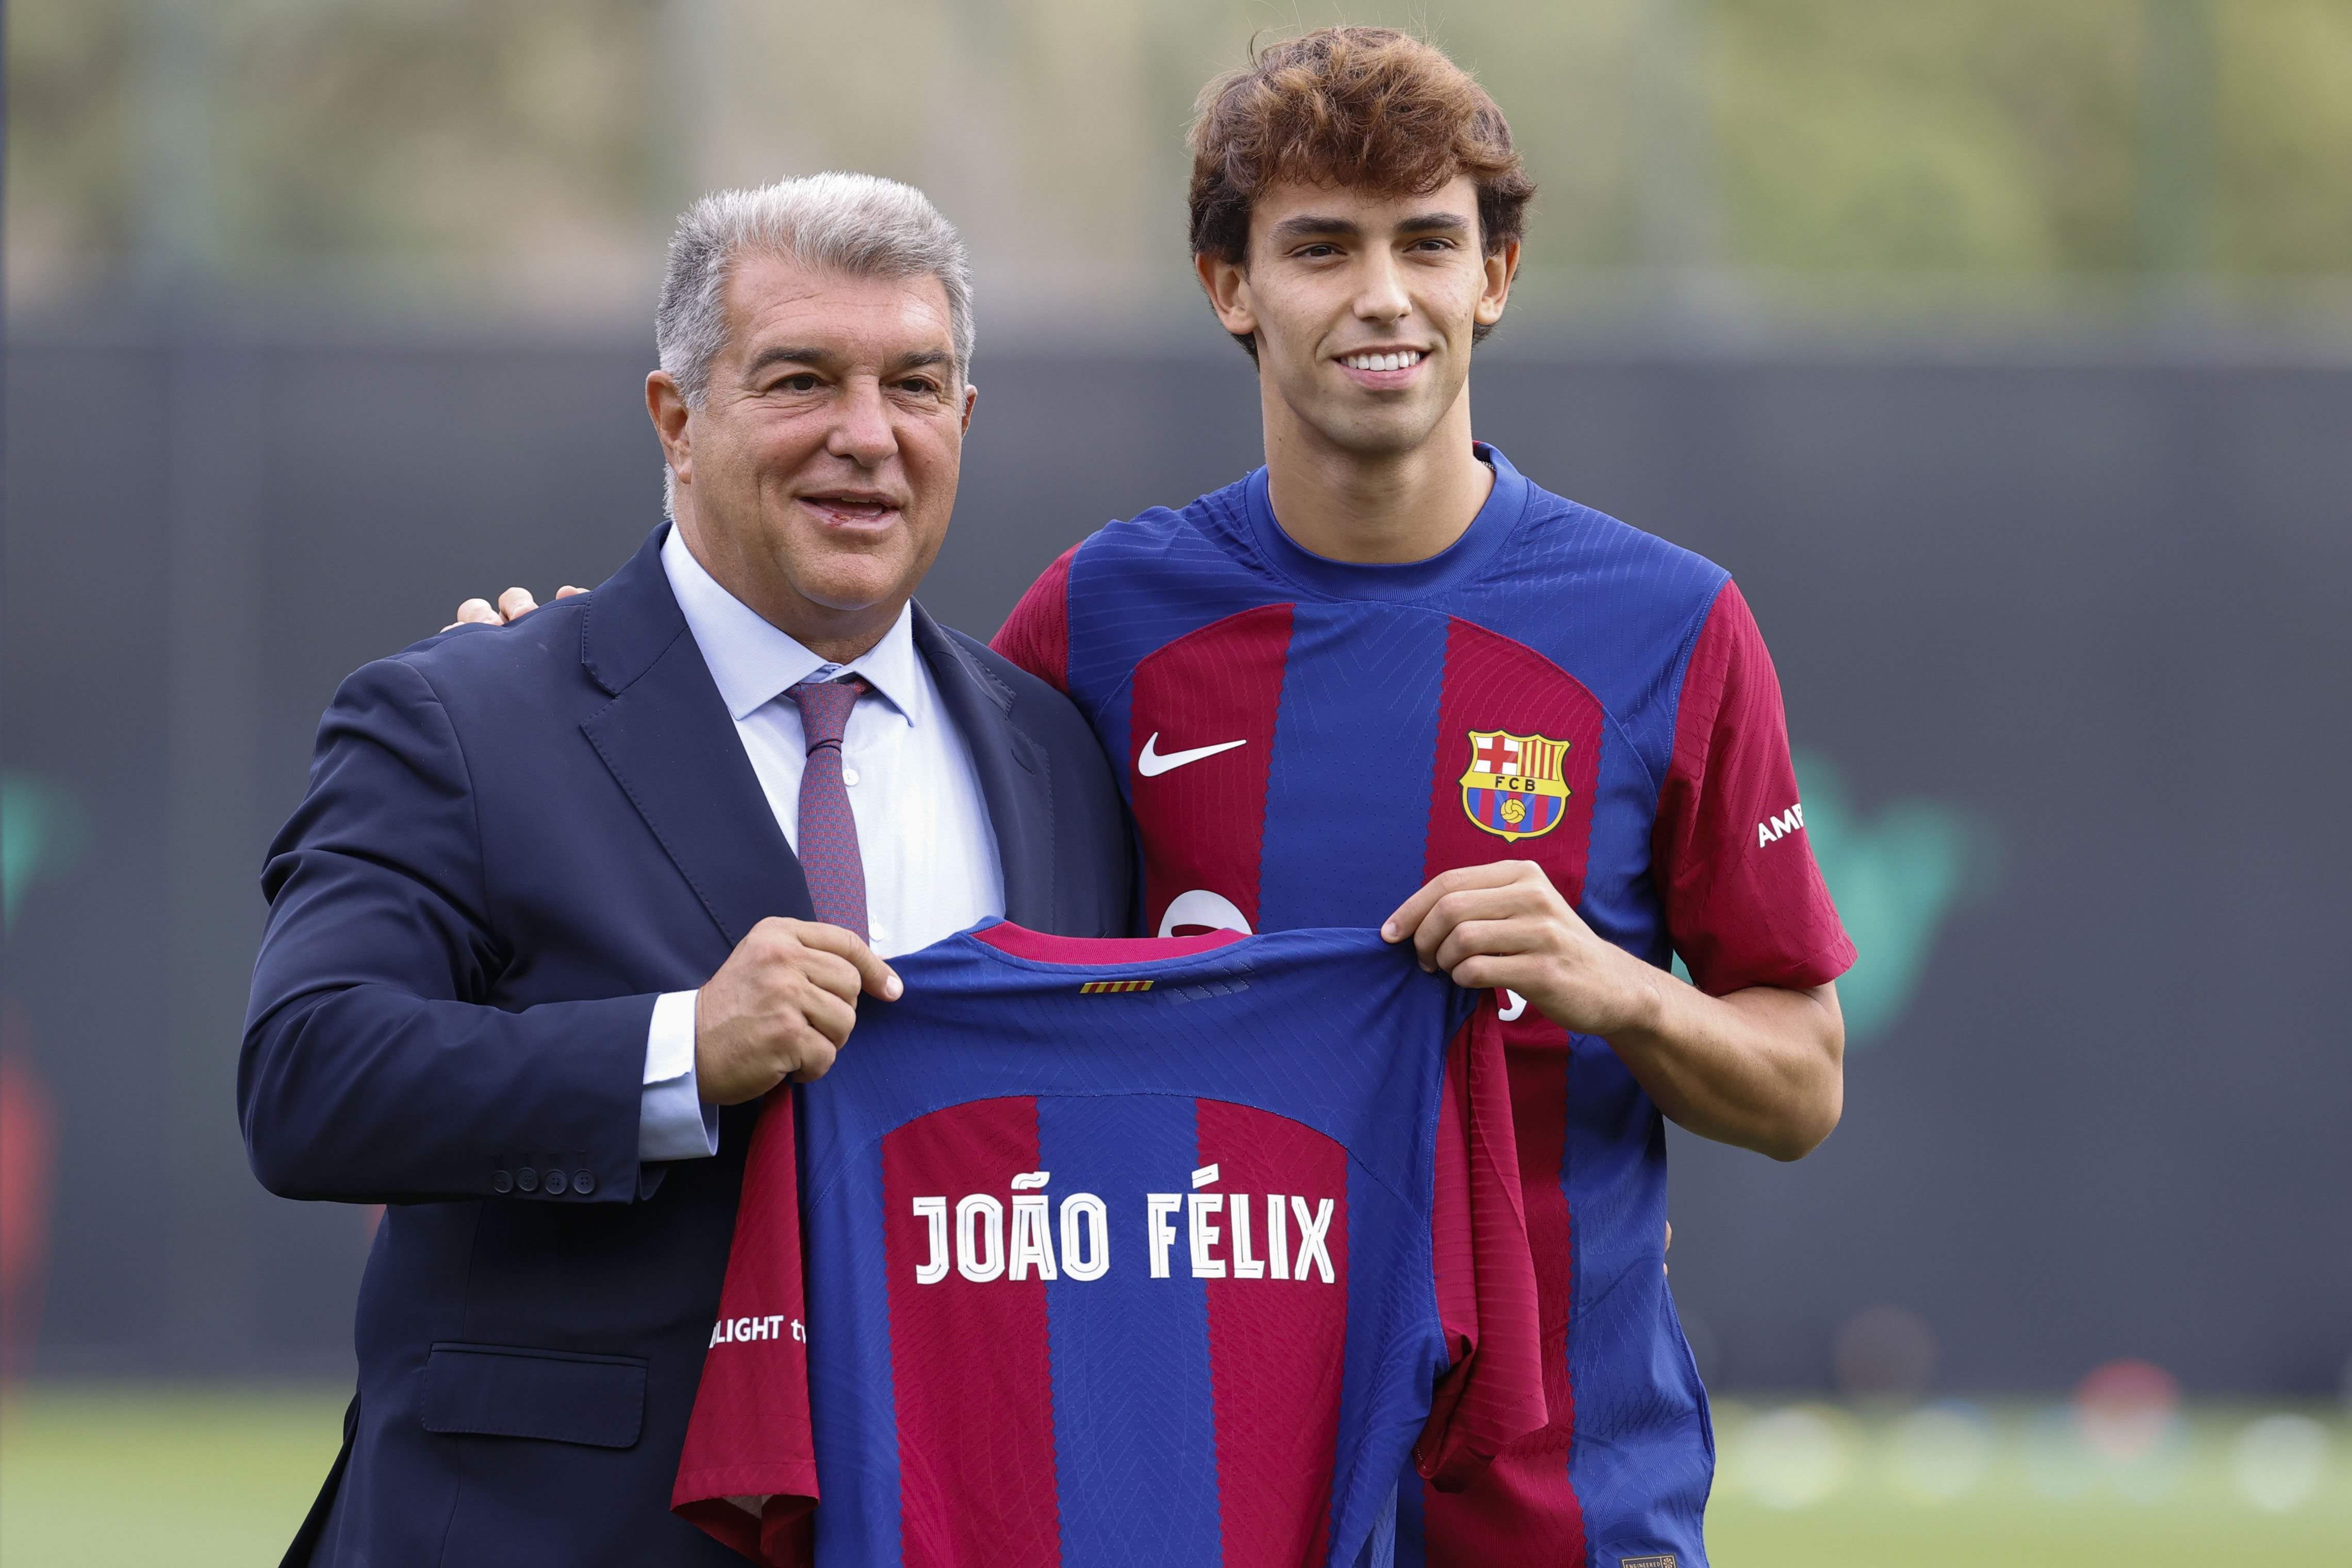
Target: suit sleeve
{"type": "Point", "coordinates": [1492, 1394]}
{"type": "Point", "coordinates": [374, 1068]}
{"type": "Point", "coordinates": [1745, 902]}
{"type": "Point", "coordinates": [1037, 635]}
{"type": "Point", "coordinates": [748, 1473]}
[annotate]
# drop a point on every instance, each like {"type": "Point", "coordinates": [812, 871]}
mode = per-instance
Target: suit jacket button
{"type": "Point", "coordinates": [527, 1179]}
{"type": "Point", "coordinates": [501, 1182]}
{"type": "Point", "coordinates": [556, 1183]}
{"type": "Point", "coordinates": [583, 1182]}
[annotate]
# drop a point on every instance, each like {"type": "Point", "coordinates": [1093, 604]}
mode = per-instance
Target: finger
{"type": "Point", "coordinates": [1484, 940]}
{"type": "Point", "coordinates": [877, 978]}
{"type": "Point", "coordinates": [1406, 918]}
{"type": "Point", "coordinates": [476, 611]}
{"type": "Point", "coordinates": [567, 590]}
{"type": "Point", "coordinates": [1453, 909]}
{"type": "Point", "coordinates": [816, 1060]}
{"type": "Point", "coordinates": [517, 602]}
{"type": "Point", "coordinates": [1408, 915]}
{"type": "Point", "coordinates": [832, 973]}
{"type": "Point", "coordinates": [825, 1014]}
{"type": "Point", "coordinates": [1498, 972]}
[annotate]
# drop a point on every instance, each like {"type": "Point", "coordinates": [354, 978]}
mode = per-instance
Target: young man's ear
{"type": "Point", "coordinates": [1226, 283]}
{"type": "Point", "coordinates": [1495, 292]}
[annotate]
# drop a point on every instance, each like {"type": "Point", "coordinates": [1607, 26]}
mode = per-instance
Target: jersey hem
{"type": "Point", "coordinates": [717, 1483]}
{"type": "Point", "coordinates": [1819, 967]}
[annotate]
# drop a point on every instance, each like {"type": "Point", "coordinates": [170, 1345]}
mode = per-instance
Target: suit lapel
{"type": "Point", "coordinates": [1014, 781]}
{"type": "Point", "coordinates": [671, 745]}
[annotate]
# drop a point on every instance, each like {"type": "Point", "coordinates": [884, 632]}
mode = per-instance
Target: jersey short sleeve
{"type": "Point", "coordinates": [1493, 1393]}
{"type": "Point", "coordinates": [1037, 635]}
{"type": "Point", "coordinates": [1744, 901]}
{"type": "Point", "coordinates": [748, 1474]}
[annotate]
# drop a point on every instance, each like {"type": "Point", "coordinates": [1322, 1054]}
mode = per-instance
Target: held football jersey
{"type": "Point", "coordinates": [1304, 742]}
{"type": "Point", "coordinates": [1123, 1252]}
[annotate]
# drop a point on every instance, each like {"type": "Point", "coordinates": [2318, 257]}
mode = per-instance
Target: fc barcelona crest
{"type": "Point", "coordinates": [1516, 786]}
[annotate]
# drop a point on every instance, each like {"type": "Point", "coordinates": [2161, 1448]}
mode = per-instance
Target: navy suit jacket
{"type": "Point", "coordinates": [513, 841]}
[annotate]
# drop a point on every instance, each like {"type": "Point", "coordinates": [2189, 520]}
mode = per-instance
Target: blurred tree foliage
{"type": "Point", "coordinates": [541, 145]}
{"type": "Point", "coordinates": [2283, 102]}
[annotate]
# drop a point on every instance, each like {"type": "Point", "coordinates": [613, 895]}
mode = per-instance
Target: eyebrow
{"type": "Point", "coordinates": [786, 353]}
{"type": "Point", "coordinates": [1310, 225]}
{"type": "Point", "coordinates": [825, 359]}
{"type": "Point", "coordinates": [923, 359]}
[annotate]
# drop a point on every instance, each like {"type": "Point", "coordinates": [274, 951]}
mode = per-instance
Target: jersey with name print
{"type": "Point", "coordinates": [1306, 741]}
{"type": "Point", "coordinates": [1123, 1253]}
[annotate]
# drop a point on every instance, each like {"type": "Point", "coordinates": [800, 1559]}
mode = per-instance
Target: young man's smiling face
{"type": "Point", "coordinates": [1363, 307]}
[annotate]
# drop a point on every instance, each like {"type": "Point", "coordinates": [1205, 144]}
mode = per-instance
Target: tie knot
{"type": "Point", "coordinates": [825, 708]}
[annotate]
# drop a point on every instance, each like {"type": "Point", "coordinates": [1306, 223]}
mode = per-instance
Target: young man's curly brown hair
{"type": "Point", "coordinates": [1366, 107]}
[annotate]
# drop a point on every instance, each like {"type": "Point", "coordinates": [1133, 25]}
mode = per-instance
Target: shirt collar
{"type": "Point", "coordinates": [753, 662]}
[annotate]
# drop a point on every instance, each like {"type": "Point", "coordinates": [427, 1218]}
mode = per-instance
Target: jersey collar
{"type": "Point", "coordinates": [1505, 504]}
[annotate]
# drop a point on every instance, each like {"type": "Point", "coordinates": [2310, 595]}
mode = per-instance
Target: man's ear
{"type": "Point", "coordinates": [970, 398]}
{"type": "Point", "coordinates": [667, 405]}
{"type": "Point", "coordinates": [1495, 289]}
{"type": "Point", "coordinates": [1226, 283]}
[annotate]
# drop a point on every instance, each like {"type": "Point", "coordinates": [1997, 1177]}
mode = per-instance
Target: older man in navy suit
{"type": "Point", "coordinates": [567, 898]}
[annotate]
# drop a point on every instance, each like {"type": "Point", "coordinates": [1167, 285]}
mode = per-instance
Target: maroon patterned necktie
{"type": "Point", "coordinates": [828, 837]}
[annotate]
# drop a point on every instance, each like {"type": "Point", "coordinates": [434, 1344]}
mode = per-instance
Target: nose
{"type": "Point", "coordinates": [861, 432]}
{"type": "Point", "coordinates": [1382, 296]}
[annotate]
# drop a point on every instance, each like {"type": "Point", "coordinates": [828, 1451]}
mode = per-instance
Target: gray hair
{"type": "Point", "coordinates": [858, 225]}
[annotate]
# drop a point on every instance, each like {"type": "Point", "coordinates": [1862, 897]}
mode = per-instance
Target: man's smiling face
{"type": "Point", "coordinates": [817, 477]}
{"type": "Point", "coordinates": [1363, 306]}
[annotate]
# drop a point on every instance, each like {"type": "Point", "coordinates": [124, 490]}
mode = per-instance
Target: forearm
{"type": "Point", "coordinates": [1761, 1068]}
{"type": "Point", "coordinates": [364, 1093]}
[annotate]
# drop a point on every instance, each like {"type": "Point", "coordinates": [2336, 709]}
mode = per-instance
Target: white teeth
{"type": "Point", "coordinates": [1396, 361]}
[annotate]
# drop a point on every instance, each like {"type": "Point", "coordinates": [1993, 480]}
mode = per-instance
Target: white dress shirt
{"type": "Point", "coordinates": [923, 832]}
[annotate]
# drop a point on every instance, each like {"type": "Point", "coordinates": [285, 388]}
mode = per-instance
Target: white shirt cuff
{"type": "Point", "coordinates": [673, 1124]}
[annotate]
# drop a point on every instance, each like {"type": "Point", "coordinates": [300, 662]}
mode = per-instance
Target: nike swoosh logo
{"type": "Point", "coordinates": [1152, 763]}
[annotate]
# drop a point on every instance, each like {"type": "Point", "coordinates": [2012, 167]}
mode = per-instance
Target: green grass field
{"type": "Point", "coordinates": [100, 1477]}
{"type": "Point", "coordinates": [2017, 1486]}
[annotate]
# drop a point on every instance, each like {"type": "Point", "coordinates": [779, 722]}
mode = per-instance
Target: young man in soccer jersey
{"type": "Point", "coordinates": [1387, 680]}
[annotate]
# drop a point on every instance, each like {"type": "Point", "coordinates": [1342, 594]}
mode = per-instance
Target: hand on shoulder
{"type": "Point", "coordinates": [513, 606]}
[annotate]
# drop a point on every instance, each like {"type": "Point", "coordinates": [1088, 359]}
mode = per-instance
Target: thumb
{"type": "Point", "coordinates": [879, 980]}
{"type": "Point", "coordinates": [874, 977]}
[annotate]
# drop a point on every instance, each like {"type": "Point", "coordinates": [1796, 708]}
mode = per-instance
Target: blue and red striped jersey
{"type": "Point", "coordinates": [1123, 1252]}
{"type": "Point", "coordinates": [1306, 741]}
